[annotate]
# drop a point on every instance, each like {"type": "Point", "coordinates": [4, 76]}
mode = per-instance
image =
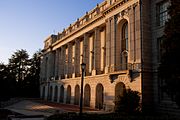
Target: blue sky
{"type": "Point", "coordinates": [24, 24]}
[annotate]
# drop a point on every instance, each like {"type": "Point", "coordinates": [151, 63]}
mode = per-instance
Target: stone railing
{"type": "Point", "coordinates": [128, 66]}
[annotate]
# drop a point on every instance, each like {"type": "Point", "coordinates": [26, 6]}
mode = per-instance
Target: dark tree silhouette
{"type": "Point", "coordinates": [169, 69]}
{"type": "Point", "coordinates": [20, 78]}
{"type": "Point", "coordinates": [8, 83]}
{"type": "Point", "coordinates": [32, 80]}
{"type": "Point", "coordinates": [18, 63]}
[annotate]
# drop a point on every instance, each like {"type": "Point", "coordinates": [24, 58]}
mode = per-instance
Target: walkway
{"type": "Point", "coordinates": [41, 107]}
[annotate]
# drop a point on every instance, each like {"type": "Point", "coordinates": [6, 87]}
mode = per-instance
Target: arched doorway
{"type": "Point", "coordinates": [55, 93]}
{"type": "Point", "coordinates": [43, 92]}
{"type": "Point", "coordinates": [61, 94]}
{"type": "Point", "coordinates": [77, 95]}
{"type": "Point", "coordinates": [50, 93]}
{"type": "Point", "coordinates": [99, 96]}
{"type": "Point", "coordinates": [68, 97]}
{"type": "Point", "coordinates": [87, 95]}
{"type": "Point", "coordinates": [119, 90]}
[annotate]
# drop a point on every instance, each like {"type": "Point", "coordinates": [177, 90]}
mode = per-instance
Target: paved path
{"type": "Point", "coordinates": [41, 107]}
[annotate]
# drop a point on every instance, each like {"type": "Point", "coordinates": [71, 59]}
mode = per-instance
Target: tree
{"type": "Point", "coordinates": [32, 81]}
{"type": "Point", "coordinates": [169, 69]}
{"type": "Point", "coordinates": [19, 64]}
{"type": "Point", "coordinates": [8, 84]}
{"type": "Point", "coordinates": [20, 77]}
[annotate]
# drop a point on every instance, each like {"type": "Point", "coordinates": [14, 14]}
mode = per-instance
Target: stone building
{"type": "Point", "coordinates": [120, 43]}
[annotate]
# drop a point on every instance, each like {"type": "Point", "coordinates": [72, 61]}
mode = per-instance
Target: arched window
{"type": "Point", "coordinates": [125, 36]}
{"type": "Point", "coordinates": [99, 96]}
{"type": "Point", "coordinates": [87, 95]}
{"type": "Point", "coordinates": [56, 94]}
{"type": "Point", "coordinates": [68, 97]}
{"type": "Point", "coordinates": [77, 95]}
{"type": "Point", "coordinates": [50, 93]}
{"type": "Point", "coordinates": [62, 94]}
{"type": "Point", "coordinates": [43, 93]}
{"type": "Point", "coordinates": [124, 46]}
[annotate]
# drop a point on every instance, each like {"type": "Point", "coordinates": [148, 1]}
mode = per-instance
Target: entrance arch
{"type": "Point", "coordinates": [77, 95]}
{"type": "Point", "coordinates": [43, 93]}
{"type": "Point", "coordinates": [119, 90]}
{"type": "Point", "coordinates": [68, 97]}
{"type": "Point", "coordinates": [61, 94]}
{"type": "Point", "coordinates": [87, 95]}
{"type": "Point", "coordinates": [55, 93]}
{"type": "Point", "coordinates": [50, 93]}
{"type": "Point", "coordinates": [99, 96]}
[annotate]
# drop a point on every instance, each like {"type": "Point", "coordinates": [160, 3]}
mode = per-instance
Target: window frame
{"type": "Point", "coordinates": [162, 13]}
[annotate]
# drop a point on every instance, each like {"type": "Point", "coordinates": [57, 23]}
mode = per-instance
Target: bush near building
{"type": "Point", "coordinates": [129, 102]}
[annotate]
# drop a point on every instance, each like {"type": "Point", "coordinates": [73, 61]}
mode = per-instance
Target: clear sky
{"type": "Point", "coordinates": [24, 24]}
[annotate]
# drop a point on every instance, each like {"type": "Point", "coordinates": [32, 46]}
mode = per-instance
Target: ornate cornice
{"type": "Point", "coordinates": [100, 11]}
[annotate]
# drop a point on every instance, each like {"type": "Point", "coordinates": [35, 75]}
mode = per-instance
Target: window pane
{"type": "Point", "coordinates": [162, 13]}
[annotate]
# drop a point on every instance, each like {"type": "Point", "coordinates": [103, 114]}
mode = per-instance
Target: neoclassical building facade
{"type": "Point", "coordinates": [118, 42]}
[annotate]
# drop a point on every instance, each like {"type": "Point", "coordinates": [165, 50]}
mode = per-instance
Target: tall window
{"type": "Point", "coordinates": [160, 48]}
{"type": "Point", "coordinates": [162, 13]}
{"type": "Point", "coordinates": [125, 37]}
{"type": "Point", "coordinates": [124, 43]}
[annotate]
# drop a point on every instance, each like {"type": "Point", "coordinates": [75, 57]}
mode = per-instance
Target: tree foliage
{"type": "Point", "coordinates": [169, 69]}
{"type": "Point", "coordinates": [7, 83]}
{"type": "Point", "coordinates": [20, 77]}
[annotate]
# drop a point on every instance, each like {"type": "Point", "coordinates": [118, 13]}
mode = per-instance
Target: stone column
{"type": "Point", "coordinates": [66, 61]}
{"type": "Point", "coordinates": [69, 60]}
{"type": "Point", "coordinates": [81, 54]}
{"type": "Point", "coordinates": [102, 39]}
{"type": "Point", "coordinates": [56, 64]}
{"type": "Point", "coordinates": [91, 53]}
{"type": "Point", "coordinates": [113, 43]}
{"type": "Point", "coordinates": [51, 64]}
{"type": "Point", "coordinates": [62, 62]}
{"type": "Point", "coordinates": [77, 57]}
{"type": "Point", "coordinates": [86, 52]}
{"type": "Point", "coordinates": [48, 66]}
{"type": "Point", "coordinates": [108, 43]}
{"type": "Point", "coordinates": [131, 48]}
{"type": "Point", "coordinates": [97, 52]}
{"type": "Point", "coordinates": [73, 60]}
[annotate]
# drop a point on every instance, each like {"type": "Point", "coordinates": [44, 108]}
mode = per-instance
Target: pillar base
{"type": "Point", "coordinates": [106, 69]}
{"type": "Point", "coordinates": [73, 75]}
{"type": "Point", "coordinates": [93, 72]}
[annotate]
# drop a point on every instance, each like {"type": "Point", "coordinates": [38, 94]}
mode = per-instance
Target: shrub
{"type": "Point", "coordinates": [129, 102]}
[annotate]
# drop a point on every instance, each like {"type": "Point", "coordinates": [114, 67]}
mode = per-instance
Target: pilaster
{"type": "Point", "coordinates": [73, 60]}
{"type": "Point", "coordinates": [103, 52]}
{"type": "Point", "coordinates": [77, 57]}
{"type": "Point", "coordinates": [91, 53]}
{"type": "Point", "coordinates": [66, 61]}
{"type": "Point", "coordinates": [69, 60]}
{"type": "Point", "coordinates": [113, 42]}
{"type": "Point", "coordinates": [97, 51]}
{"type": "Point", "coordinates": [86, 52]}
{"type": "Point", "coordinates": [108, 43]}
{"type": "Point", "coordinates": [60, 63]}
{"type": "Point", "coordinates": [56, 63]}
